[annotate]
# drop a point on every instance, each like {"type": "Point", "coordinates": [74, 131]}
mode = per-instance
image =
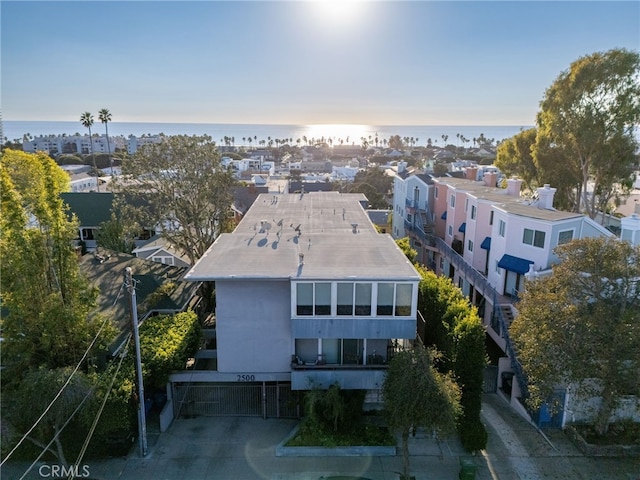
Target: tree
{"type": "Point", "coordinates": [514, 157]}
{"type": "Point", "coordinates": [590, 113]}
{"type": "Point", "coordinates": [87, 121]}
{"type": "Point", "coordinates": [35, 392]}
{"type": "Point", "coordinates": [405, 245]}
{"type": "Point", "coordinates": [417, 395]}
{"type": "Point", "coordinates": [453, 327]}
{"type": "Point", "coordinates": [581, 326]}
{"type": "Point", "coordinates": [116, 235]}
{"type": "Point", "coordinates": [185, 190]}
{"type": "Point", "coordinates": [105, 117]}
{"type": "Point", "coordinates": [48, 299]}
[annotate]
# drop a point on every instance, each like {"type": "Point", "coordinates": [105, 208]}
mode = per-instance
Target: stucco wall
{"type": "Point", "coordinates": [253, 326]}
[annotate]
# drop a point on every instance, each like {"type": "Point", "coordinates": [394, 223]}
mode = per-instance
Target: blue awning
{"type": "Point", "coordinates": [444, 215]}
{"type": "Point", "coordinates": [486, 243]}
{"type": "Point", "coordinates": [463, 227]}
{"type": "Point", "coordinates": [514, 264]}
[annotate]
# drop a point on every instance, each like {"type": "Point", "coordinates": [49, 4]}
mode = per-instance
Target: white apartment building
{"type": "Point", "coordinates": [308, 293]}
{"type": "Point", "coordinates": [58, 144]}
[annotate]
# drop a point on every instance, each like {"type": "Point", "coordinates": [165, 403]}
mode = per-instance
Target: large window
{"type": "Point", "coordinates": [304, 298]}
{"type": "Point", "coordinates": [322, 301]}
{"type": "Point", "coordinates": [403, 299]}
{"type": "Point", "coordinates": [385, 299]}
{"type": "Point", "coordinates": [353, 299]}
{"type": "Point", "coordinates": [533, 237]}
{"type": "Point", "coordinates": [345, 299]}
{"type": "Point", "coordinates": [313, 299]}
{"type": "Point", "coordinates": [363, 299]}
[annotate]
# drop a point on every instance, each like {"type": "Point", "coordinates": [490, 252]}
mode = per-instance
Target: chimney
{"type": "Point", "coordinates": [513, 187]}
{"type": "Point", "coordinates": [545, 197]}
{"type": "Point", "coordinates": [490, 179]}
{"type": "Point", "coordinates": [472, 173]}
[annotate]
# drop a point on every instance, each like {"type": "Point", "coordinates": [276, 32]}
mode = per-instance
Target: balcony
{"type": "Point", "coordinates": [348, 376]}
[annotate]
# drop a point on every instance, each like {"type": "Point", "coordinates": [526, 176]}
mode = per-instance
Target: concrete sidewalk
{"type": "Point", "coordinates": [243, 448]}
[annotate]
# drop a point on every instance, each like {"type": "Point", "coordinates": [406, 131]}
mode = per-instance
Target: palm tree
{"type": "Point", "coordinates": [87, 121]}
{"type": "Point", "coordinates": [105, 117]}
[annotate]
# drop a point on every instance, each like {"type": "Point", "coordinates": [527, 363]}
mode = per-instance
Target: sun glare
{"type": "Point", "coordinates": [337, 133]}
{"type": "Point", "coordinates": [337, 10]}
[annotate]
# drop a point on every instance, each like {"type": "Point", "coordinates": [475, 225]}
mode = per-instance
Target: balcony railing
{"type": "Point", "coordinates": [421, 224]}
{"type": "Point", "coordinates": [481, 283]}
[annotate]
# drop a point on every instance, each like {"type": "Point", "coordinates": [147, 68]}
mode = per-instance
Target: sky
{"type": "Point", "coordinates": [299, 62]}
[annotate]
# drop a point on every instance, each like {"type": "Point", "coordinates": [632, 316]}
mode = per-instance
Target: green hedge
{"type": "Point", "coordinates": [454, 328]}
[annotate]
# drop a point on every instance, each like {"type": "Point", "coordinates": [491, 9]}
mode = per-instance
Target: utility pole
{"type": "Point", "coordinates": [142, 420]}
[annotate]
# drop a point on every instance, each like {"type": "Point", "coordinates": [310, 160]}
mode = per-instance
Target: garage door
{"type": "Point", "coordinates": [264, 399]}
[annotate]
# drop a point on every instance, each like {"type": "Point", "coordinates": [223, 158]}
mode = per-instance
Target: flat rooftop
{"type": "Point", "coordinates": [499, 197]}
{"type": "Point", "coordinates": [318, 235]}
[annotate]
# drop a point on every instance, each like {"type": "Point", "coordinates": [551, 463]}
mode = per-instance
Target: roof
{"type": "Point", "coordinates": [330, 230]}
{"type": "Point", "coordinates": [379, 217]}
{"type": "Point", "coordinates": [91, 208]}
{"type": "Point", "coordinates": [108, 276]}
{"type": "Point", "coordinates": [498, 197]}
{"type": "Point", "coordinates": [158, 242]}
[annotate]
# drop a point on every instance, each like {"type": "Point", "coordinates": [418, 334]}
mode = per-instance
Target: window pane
{"type": "Point", "coordinates": [527, 237]}
{"type": "Point", "coordinates": [363, 299]}
{"type": "Point", "coordinates": [323, 298]}
{"type": "Point", "coordinates": [385, 299]}
{"type": "Point", "coordinates": [345, 299]}
{"type": "Point", "coordinates": [403, 299]}
{"type": "Point", "coordinates": [352, 351]}
{"type": "Point", "coordinates": [304, 298]}
{"type": "Point", "coordinates": [538, 241]}
{"type": "Point", "coordinates": [565, 237]}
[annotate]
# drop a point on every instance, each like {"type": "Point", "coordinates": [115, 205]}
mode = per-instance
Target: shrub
{"type": "Point", "coordinates": [473, 434]}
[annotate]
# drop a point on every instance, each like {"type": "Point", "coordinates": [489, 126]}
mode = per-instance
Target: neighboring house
{"type": "Point", "coordinates": [243, 198]}
{"type": "Point", "coordinates": [106, 271]}
{"type": "Point", "coordinates": [159, 249]}
{"type": "Point", "coordinates": [92, 209]}
{"type": "Point", "coordinates": [308, 294]}
{"type": "Point", "coordinates": [489, 241]}
{"type": "Point", "coordinates": [380, 218]}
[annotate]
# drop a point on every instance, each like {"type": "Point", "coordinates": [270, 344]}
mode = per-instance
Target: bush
{"type": "Point", "coordinates": [166, 342]}
{"type": "Point", "coordinates": [473, 434]}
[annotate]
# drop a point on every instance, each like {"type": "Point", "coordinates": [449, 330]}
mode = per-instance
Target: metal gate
{"type": "Point", "coordinates": [550, 413]}
{"type": "Point", "coordinates": [490, 379]}
{"type": "Point", "coordinates": [266, 399]}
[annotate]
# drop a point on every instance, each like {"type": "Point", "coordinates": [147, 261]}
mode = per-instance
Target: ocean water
{"type": "Point", "coordinates": [346, 134]}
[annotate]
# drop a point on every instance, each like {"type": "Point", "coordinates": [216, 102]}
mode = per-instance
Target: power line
{"type": "Point", "coordinates": [24, 437]}
{"type": "Point", "coordinates": [95, 421]}
{"type": "Point", "coordinates": [58, 432]}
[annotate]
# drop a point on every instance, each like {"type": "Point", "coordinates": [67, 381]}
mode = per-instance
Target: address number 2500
{"type": "Point", "coordinates": [246, 378]}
